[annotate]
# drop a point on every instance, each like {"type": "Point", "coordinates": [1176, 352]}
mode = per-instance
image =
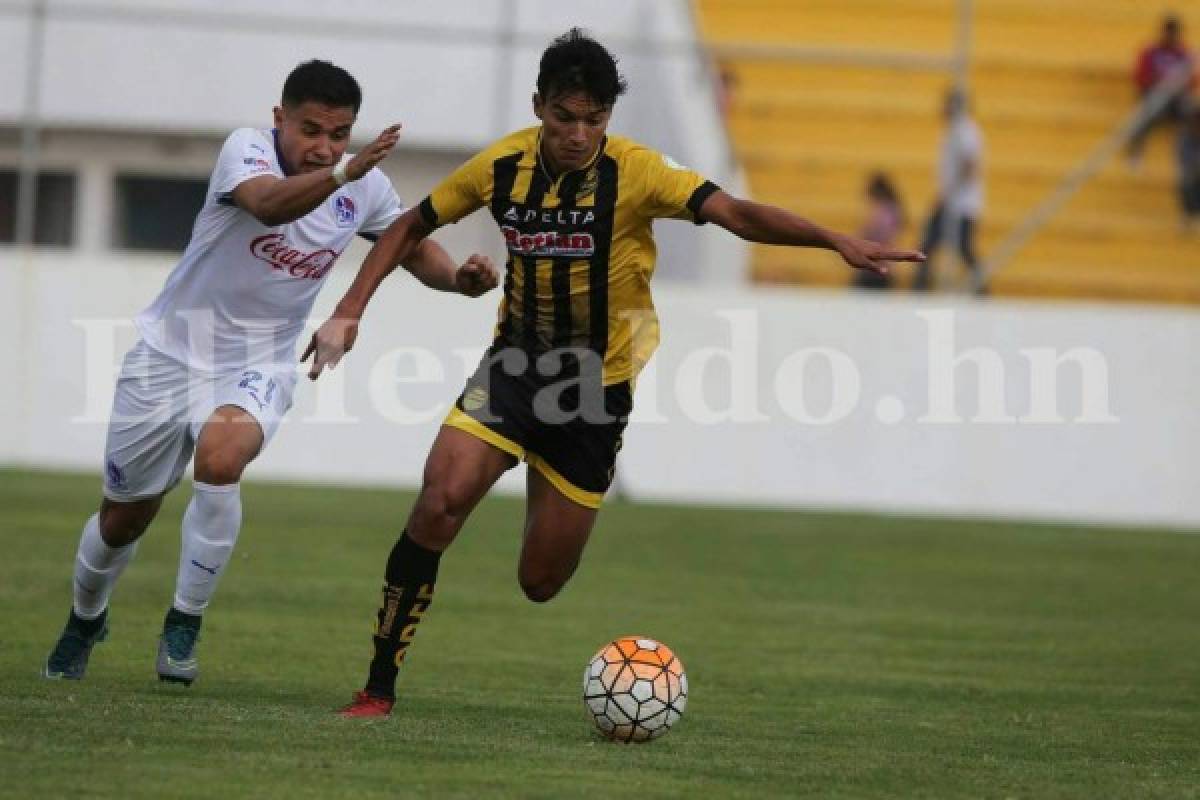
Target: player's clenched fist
{"type": "Point", "coordinates": [372, 154]}
{"type": "Point", "coordinates": [477, 276]}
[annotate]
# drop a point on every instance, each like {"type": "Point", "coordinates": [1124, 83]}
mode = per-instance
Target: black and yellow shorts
{"type": "Point", "coordinates": [568, 425]}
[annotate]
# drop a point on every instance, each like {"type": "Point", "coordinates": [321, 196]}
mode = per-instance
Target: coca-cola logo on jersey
{"type": "Point", "coordinates": [272, 249]}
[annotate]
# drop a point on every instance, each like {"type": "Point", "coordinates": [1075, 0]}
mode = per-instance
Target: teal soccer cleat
{"type": "Point", "coordinates": [177, 648]}
{"type": "Point", "coordinates": [69, 658]}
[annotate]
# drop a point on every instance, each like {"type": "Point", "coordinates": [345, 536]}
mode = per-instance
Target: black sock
{"type": "Point", "coordinates": [87, 627]}
{"type": "Point", "coordinates": [407, 593]}
{"type": "Point", "coordinates": [177, 617]}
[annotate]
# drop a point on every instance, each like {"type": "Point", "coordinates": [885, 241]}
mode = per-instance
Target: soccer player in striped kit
{"type": "Point", "coordinates": [575, 207]}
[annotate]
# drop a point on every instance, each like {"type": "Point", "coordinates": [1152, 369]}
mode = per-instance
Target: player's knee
{"type": "Point", "coordinates": [540, 591]}
{"type": "Point", "coordinates": [219, 468]}
{"type": "Point", "coordinates": [122, 525]}
{"type": "Point", "coordinates": [445, 503]}
{"type": "Point", "coordinates": [540, 585]}
{"type": "Point", "coordinates": [437, 517]}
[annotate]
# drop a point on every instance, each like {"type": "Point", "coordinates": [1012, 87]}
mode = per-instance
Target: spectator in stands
{"type": "Point", "coordinates": [1157, 63]}
{"type": "Point", "coordinates": [726, 88]}
{"type": "Point", "coordinates": [1188, 154]}
{"type": "Point", "coordinates": [884, 223]}
{"type": "Point", "coordinates": [960, 192]}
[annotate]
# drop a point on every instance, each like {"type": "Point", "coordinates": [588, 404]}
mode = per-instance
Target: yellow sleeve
{"type": "Point", "coordinates": [669, 190]}
{"type": "Point", "coordinates": [463, 191]}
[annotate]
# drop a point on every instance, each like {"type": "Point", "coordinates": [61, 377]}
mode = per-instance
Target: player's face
{"type": "Point", "coordinates": [313, 135]}
{"type": "Point", "coordinates": [572, 127]}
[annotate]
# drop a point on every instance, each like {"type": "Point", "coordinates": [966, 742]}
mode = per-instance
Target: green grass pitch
{"type": "Point", "coordinates": [829, 655]}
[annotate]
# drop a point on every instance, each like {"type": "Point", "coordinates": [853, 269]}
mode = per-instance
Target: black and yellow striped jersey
{"type": "Point", "coordinates": [580, 246]}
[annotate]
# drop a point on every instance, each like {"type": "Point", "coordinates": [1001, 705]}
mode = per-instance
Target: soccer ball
{"type": "Point", "coordinates": [635, 689]}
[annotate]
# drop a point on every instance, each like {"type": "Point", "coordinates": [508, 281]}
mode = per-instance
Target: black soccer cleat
{"type": "Point", "coordinates": [69, 658]}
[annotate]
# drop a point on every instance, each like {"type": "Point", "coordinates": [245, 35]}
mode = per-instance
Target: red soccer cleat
{"type": "Point", "coordinates": [368, 705]}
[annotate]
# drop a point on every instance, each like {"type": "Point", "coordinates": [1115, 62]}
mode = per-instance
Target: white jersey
{"type": "Point", "coordinates": [242, 290]}
{"type": "Point", "coordinates": [962, 142]}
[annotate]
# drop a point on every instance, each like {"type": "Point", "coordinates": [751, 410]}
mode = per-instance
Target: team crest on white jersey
{"type": "Point", "coordinates": [346, 212]}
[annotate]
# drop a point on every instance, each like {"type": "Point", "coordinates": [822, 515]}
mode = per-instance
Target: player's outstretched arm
{"type": "Point", "coordinates": [278, 201]}
{"type": "Point", "coordinates": [432, 266]}
{"type": "Point", "coordinates": [765, 224]}
{"type": "Point", "coordinates": [395, 246]}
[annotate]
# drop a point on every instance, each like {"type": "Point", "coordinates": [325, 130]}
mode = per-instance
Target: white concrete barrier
{"type": "Point", "coordinates": [782, 398]}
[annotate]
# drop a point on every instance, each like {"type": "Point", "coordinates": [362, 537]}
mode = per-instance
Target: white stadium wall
{"type": "Point", "coordinates": [737, 408]}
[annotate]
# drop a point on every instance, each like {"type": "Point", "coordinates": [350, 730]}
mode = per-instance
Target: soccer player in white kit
{"type": "Point", "coordinates": [215, 367]}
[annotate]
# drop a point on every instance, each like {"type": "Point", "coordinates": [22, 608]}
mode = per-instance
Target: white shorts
{"type": "Point", "coordinates": [160, 406]}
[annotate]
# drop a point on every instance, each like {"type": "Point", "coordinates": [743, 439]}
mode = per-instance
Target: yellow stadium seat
{"type": "Point", "coordinates": [1050, 80]}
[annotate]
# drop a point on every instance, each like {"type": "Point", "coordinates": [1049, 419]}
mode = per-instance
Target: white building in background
{"type": "Point", "coordinates": [133, 98]}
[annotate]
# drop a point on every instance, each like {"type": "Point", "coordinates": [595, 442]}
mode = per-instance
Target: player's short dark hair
{"type": "Point", "coordinates": [322, 82]}
{"type": "Point", "coordinates": [575, 62]}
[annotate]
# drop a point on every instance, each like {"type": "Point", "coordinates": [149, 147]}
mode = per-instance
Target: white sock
{"type": "Point", "coordinates": [210, 530]}
{"type": "Point", "coordinates": [97, 567]}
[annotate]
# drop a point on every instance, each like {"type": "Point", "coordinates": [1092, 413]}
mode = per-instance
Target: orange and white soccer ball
{"type": "Point", "coordinates": [635, 689]}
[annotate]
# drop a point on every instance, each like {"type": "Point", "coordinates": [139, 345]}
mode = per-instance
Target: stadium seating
{"type": "Point", "coordinates": [1049, 81]}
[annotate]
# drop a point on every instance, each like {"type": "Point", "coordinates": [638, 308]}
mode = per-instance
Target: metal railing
{"type": "Point", "coordinates": [1087, 169]}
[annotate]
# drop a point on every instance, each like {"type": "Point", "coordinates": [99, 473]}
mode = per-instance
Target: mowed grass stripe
{"type": "Point", "coordinates": [832, 655]}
